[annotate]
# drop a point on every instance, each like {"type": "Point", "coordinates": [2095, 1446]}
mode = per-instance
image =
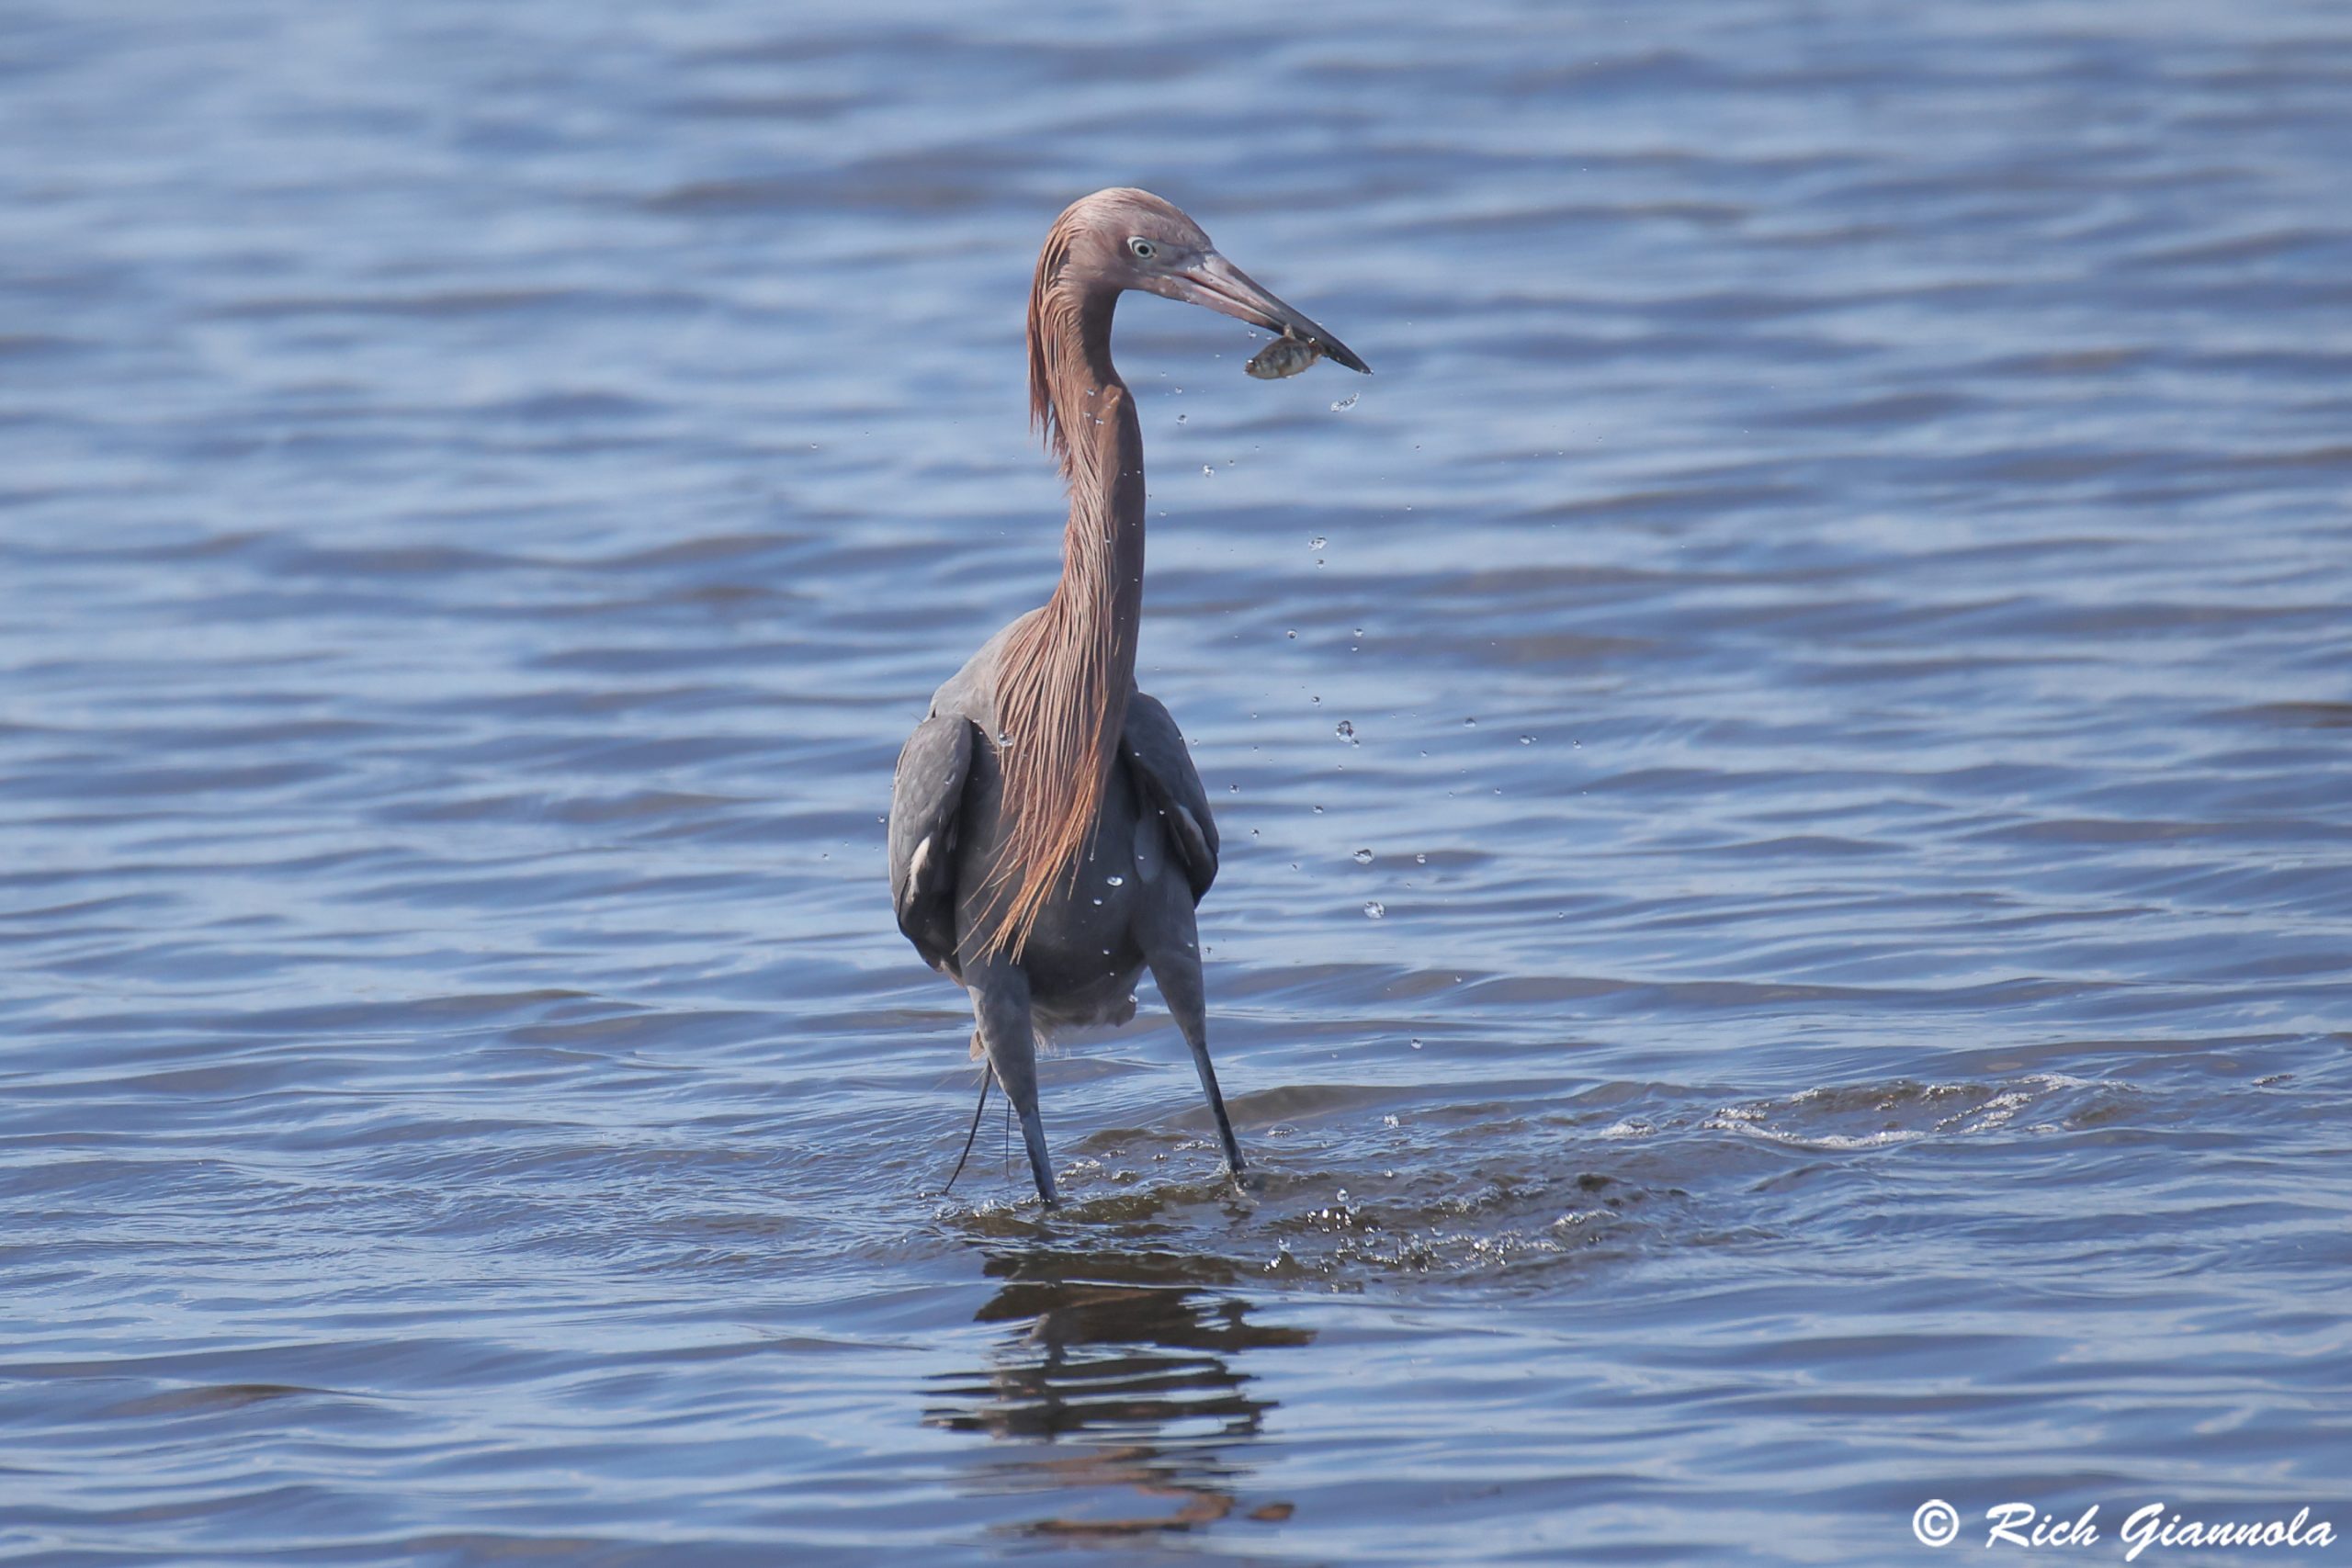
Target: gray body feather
{"type": "Point", "coordinates": [1151, 856]}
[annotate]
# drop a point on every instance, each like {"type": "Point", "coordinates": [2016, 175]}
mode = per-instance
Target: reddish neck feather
{"type": "Point", "coordinates": [1061, 690]}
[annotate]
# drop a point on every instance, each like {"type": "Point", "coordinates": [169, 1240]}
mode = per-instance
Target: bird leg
{"type": "Point", "coordinates": [1001, 1007]}
{"type": "Point", "coordinates": [1179, 974]}
{"type": "Point", "coordinates": [986, 1074]}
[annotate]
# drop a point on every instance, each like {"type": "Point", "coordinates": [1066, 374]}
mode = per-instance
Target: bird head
{"type": "Point", "coordinates": [1131, 238]}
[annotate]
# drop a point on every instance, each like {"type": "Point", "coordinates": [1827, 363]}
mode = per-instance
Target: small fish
{"type": "Point", "coordinates": [1287, 355]}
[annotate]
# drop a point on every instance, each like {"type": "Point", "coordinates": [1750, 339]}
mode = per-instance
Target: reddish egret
{"type": "Point", "coordinates": [1049, 835]}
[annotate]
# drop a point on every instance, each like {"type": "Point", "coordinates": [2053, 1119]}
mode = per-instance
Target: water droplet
{"type": "Point", "coordinates": [1344, 404]}
{"type": "Point", "coordinates": [1209, 469]}
{"type": "Point", "coordinates": [1182, 417]}
{"type": "Point", "coordinates": [1374, 908]}
{"type": "Point", "coordinates": [1527, 740]}
{"type": "Point", "coordinates": [1417, 1045]}
{"type": "Point", "coordinates": [1314, 702]}
{"type": "Point", "coordinates": [1292, 635]}
{"type": "Point", "coordinates": [1115, 881]}
{"type": "Point", "coordinates": [1004, 738]}
{"type": "Point", "coordinates": [1318, 811]}
{"type": "Point", "coordinates": [1469, 724]}
{"type": "Point", "coordinates": [1098, 903]}
{"type": "Point", "coordinates": [1346, 731]}
{"type": "Point", "coordinates": [1421, 860]}
{"type": "Point", "coordinates": [1316, 543]}
{"type": "Point", "coordinates": [1233, 789]}
{"type": "Point", "coordinates": [1363, 857]}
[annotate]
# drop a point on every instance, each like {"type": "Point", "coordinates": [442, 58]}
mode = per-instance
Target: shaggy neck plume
{"type": "Point", "coordinates": [1062, 689]}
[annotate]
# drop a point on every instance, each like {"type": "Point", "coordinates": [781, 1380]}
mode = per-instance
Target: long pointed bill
{"type": "Point", "coordinates": [1221, 286]}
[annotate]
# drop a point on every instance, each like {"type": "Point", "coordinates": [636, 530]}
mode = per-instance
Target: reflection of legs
{"type": "Point", "coordinates": [1001, 1007]}
{"type": "Point", "coordinates": [1177, 966]}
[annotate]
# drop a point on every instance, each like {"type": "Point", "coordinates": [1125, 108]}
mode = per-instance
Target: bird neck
{"type": "Point", "coordinates": [1098, 601]}
{"type": "Point", "coordinates": [1062, 682]}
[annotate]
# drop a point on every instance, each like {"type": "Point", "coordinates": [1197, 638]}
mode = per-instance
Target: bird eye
{"type": "Point", "coordinates": [1142, 250]}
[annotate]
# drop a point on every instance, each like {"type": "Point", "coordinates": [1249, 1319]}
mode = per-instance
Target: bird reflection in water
{"type": "Point", "coordinates": [1133, 1386]}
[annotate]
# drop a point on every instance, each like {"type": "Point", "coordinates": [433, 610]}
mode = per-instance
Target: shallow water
{"type": "Point", "coordinates": [1837, 592]}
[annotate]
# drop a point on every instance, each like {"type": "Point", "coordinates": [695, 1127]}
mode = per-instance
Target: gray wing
{"type": "Point", "coordinates": [926, 817]}
{"type": "Point", "coordinates": [1166, 780]}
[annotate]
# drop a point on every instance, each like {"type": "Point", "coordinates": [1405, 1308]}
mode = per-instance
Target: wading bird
{"type": "Point", "coordinates": [1048, 835]}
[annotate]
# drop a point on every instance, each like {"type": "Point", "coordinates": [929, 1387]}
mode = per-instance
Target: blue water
{"type": "Point", "coordinates": [1839, 586]}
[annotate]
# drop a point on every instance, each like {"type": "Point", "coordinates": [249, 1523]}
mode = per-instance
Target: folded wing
{"type": "Point", "coordinates": [926, 820]}
{"type": "Point", "coordinates": [1167, 783]}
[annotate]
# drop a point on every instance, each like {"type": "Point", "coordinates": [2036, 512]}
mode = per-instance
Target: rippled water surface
{"type": "Point", "coordinates": [1837, 594]}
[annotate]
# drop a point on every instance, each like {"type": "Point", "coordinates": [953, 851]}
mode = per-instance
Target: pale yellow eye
{"type": "Point", "coordinates": [1142, 250]}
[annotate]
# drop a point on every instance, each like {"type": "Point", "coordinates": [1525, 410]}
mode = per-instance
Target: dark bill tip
{"type": "Point", "coordinates": [1339, 352]}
